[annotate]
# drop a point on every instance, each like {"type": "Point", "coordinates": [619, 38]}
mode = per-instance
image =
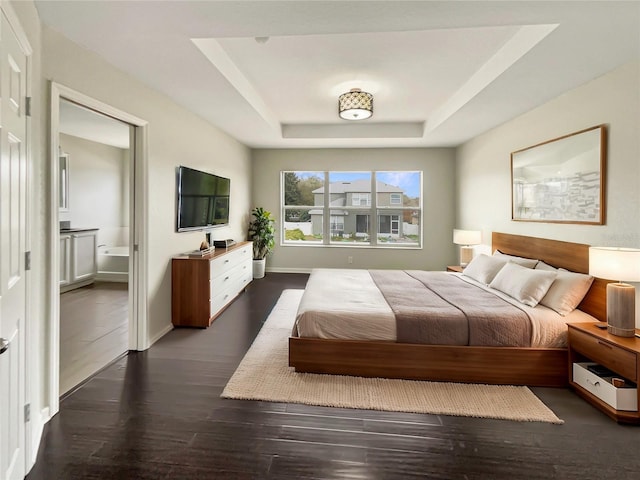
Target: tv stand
{"type": "Point", "coordinates": [201, 288]}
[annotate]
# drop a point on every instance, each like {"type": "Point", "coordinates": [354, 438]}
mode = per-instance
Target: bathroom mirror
{"type": "Point", "coordinates": [561, 180]}
{"type": "Point", "coordinates": [63, 182]}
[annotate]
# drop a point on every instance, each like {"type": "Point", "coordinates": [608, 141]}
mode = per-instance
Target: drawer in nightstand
{"type": "Point", "coordinates": [621, 361]}
{"type": "Point", "coordinates": [623, 398]}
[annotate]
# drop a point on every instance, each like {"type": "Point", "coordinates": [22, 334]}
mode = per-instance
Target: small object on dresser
{"type": "Point", "coordinates": [204, 245]}
{"type": "Point", "coordinates": [600, 370]}
{"type": "Point", "coordinates": [201, 253]}
{"type": "Point", "coordinates": [224, 243]}
{"type": "Point", "coordinates": [601, 325]}
{"type": "Point", "coordinates": [617, 382]}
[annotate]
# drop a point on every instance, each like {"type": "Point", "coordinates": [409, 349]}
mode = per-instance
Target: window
{"type": "Point", "coordinates": [361, 199]}
{"type": "Point", "coordinates": [337, 225]}
{"type": "Point", "coordinates": [359, 209]}
{"type": "Point", "coordinates": [302, 207]}
{"type": "Point", "coordinates": [362, 225]}
{"type": "Point", "coordinates": [389, 224]}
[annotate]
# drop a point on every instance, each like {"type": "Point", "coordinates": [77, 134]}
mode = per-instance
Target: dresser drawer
{"type": "Point", "coordinates": [228, 277]}
{"type": "Point", "coordinates": [222, 264]}
{"type": "Point", "coordinates": [624, 398]}
{"type": "Point", "coordinates": [621, 361]}
{"type": "Point", "coordinates": [223, 296]}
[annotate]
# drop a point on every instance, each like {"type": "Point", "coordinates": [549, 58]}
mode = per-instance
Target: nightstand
{"type": "Point", "coordinates": [621, 355]}
{"type": "Point", "coordinates": [454, 268]}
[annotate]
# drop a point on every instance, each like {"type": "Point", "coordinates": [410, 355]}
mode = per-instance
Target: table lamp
{"type": "Point", "coordinates": [622, 264]}
{"type": "Point", "coordinates": [466, 238]}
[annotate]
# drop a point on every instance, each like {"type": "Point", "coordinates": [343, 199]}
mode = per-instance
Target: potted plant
{"type": "Point", "coordinates": [261, 233]}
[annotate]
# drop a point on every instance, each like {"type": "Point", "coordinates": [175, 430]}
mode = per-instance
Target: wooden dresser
{"type": "Point", "coordinates": [202, 287]}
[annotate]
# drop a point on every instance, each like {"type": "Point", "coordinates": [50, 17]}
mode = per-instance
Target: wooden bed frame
{"type": "Point", "coordinates": [493, 365]}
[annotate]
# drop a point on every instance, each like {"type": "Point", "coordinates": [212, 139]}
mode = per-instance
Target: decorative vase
{"type": "Point", "coordinates": [259, 267]}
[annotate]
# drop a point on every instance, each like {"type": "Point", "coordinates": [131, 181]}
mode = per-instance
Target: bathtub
{"type": "Point", "coordinates": [113, 264]}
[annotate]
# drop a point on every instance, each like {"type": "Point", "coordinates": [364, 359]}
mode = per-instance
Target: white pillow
{"type": "Point", "coordinates": [545, 266]}
{"type": "Point", "coordinates": [526, 285]}
{"type": "Point", "coordinates": [567, 291]}
{"type": "Point", "coordinates": [483, 268]}
{"type": "Point", "coordinates": [525, 262]}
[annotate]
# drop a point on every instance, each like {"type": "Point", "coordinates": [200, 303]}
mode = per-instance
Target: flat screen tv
{"type": "Point", "coordinates": [203, 200]}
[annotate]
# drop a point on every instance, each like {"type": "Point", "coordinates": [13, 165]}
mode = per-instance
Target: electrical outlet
{"type": "Point", "coordinates": [349, 259]}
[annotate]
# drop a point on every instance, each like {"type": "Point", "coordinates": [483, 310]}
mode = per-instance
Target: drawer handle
{"type": "Point", "coordinates": [226, 278]}
{"type": "Point", "coordinates": [226, 261]}
{"type": "Point", "coordinates": [595, 384]}
{"type": "Point", "coordinates": [605, 344]}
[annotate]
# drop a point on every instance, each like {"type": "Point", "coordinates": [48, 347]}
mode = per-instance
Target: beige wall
{"type": "Point", "coordinates": [483, 175]}
{"type": "Point", "coordinates": [483, 164]}
{"type": "Point", "coordinates": [175, 136]}
{"type": "Point", "coordinates": [438, 167]}
{"type": "Point", "coordinates": [98, 189]}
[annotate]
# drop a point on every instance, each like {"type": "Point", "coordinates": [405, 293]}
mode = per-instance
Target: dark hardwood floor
{"type": "Point", "coordinates": [158, 415]}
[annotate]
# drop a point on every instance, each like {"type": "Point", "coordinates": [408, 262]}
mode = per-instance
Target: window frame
{"type": "Point", "coordinates": [395, 211]}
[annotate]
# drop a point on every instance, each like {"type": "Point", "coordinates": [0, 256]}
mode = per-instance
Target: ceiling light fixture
{"type": "Point", "coordinates": [355, 105]}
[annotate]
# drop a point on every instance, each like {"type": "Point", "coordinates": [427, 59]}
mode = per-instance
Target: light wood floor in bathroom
{"type": "Point", "coordinates": [94, 330]}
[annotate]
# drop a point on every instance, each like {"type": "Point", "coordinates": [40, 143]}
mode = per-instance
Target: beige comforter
{"type": "Point", "coordinates": [347, 304]}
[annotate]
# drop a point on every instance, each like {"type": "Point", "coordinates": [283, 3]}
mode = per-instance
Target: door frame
{"type": "Point", "coordinates": [138, 258]}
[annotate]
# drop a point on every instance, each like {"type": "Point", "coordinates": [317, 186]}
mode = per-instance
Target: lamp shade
{"type": "Point", "coordinates": [355, 105]}
{"type": "Point", "coordinates": [612, 263]}
{"type": "Point", "coordinates": [467, 237]}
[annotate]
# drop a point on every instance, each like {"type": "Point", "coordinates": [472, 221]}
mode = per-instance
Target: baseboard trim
{"type": "Point", "coordinates": [37, 430]}
{"type": "Point", "coordinates": [288, 270]}
{"type": "Point", "coordinates": [162, 333]}
{"type": "Point", "coordinates": [116, 277]}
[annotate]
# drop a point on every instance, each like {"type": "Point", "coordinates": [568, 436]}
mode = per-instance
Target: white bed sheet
{"type": "Point", "coordinates": [347, 304]}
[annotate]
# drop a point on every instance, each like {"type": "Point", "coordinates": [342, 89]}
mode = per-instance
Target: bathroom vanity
{"type": "Point", "coordinates": [78, 257]}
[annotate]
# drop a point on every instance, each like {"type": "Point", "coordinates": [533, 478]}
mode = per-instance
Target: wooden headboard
{"type": "Point", "coordinates": [568, 255]}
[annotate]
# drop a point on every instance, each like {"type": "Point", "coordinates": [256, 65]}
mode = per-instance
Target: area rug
{"type": "Point", "coordinates": [264, 374]}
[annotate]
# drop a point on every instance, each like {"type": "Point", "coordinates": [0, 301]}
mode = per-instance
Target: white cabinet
{"type": "Point", "coordinates": [78, 258]}
{"type": "Point", "coordinates": [229, 275]}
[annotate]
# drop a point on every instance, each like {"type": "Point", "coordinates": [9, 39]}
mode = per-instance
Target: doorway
{"type": "Point", "coordinates": [94, 185]}
{"type": "Point", "coordinates": [81, 124]}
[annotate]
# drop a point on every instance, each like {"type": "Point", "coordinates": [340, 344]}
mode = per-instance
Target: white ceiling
{"type": "Point", "coordinates": [441, 72]}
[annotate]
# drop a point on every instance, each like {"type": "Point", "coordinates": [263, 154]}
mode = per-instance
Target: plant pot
{"type": "Point", "coordinates": [259, 267]}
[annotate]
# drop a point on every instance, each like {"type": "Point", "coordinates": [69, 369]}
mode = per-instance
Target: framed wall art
{"type": "Point", "coordinates": [561, 180]}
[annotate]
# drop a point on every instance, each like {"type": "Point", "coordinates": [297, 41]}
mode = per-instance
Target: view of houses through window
{"type": "Point", "coordinates": [361, 208]}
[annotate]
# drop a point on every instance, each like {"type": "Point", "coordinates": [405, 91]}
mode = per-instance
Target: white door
{"type": "Point", "coordinates": [13, 184]}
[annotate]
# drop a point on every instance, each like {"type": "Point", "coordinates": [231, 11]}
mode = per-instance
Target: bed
{"type": "Point", "coordinates": [516, 365]}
